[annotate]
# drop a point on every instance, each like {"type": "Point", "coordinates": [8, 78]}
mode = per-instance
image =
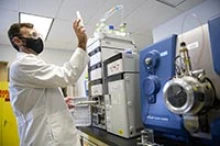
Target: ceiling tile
{"type": "Point", "coordinates": [188, 4]}
{"type": "Point", "coordinates": [87, 9]}
{"type": "Point", "coordinates": [150, 15]}
{"type": "Point", "coordinates": [141, 17]}
{"type": "Point", "coordinates": [47, 8]}
{"type": "Point", "coordinates": [105, 7]}
{"type": "Point", "coordinates": [10, 4]}
{"type": "Point", "coordinates": [129, 6]}
{"type": "Point", "coordinates": [62, 31]}
{"type": "Point", "coordinates": [172, 3]}
{"type": "Point", "coordinates": [61, 36]}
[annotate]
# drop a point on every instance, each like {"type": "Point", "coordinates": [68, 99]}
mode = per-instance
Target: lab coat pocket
{"type": "Point", "coordinates": [63, 129]}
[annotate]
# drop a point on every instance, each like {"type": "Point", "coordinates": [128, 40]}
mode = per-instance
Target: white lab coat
{"type": "Point", "coordinates": [42, 114]}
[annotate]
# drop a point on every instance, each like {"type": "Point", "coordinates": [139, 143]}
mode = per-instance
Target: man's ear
{"type": "Point", "coordinates": [17, 41]}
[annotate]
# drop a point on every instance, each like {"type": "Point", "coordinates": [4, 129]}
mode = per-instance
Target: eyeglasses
{"type": "Point", "coordinates": [34, 35]}
{"type": "Point", "coordinates": [31, 34]}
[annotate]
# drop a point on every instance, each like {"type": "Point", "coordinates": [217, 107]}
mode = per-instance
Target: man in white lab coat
{"type": "Point", "coordinates": [37, 100]}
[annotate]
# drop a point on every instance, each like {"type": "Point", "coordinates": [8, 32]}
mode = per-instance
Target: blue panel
{"type": "Point", "coordinates": [160, 68]}
{"type": "Point", "coordinates": [214, 32]}
{"type": "Point", "coordinates": [215, 130]}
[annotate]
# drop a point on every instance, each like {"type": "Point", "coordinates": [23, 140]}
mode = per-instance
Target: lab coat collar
{"type": "Point", "coordinates": [20, 54]}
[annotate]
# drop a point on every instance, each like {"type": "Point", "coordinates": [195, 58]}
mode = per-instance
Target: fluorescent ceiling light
{"type": "Point", "coordinates": [41, 24]}
{"type": "Point", "coordinates": [172, 3]}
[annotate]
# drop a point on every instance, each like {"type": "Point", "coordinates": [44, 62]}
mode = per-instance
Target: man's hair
{"type": "Point", "coordinates": [14, 30]}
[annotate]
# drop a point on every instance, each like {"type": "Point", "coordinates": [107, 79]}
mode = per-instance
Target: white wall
{"type": "Point", "coordinates": [7, 53]}
{"type": "Point", "coordinates": [57, 57]}
{"type": "Point", "coordinates": [187, 21]}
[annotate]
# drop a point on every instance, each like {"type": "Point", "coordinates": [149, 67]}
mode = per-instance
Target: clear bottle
{"type": "Point", "coordinates": [81, 112]}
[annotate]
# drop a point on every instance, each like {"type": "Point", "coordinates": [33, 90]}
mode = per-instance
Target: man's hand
{"type": "Point", "coordinates": [81, 34]}
{"type": "Point", "coordinates": [69, 102]}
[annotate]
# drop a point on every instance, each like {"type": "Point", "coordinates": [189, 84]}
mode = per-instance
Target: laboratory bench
{"type": "Point", "coordinates": [92, 136]}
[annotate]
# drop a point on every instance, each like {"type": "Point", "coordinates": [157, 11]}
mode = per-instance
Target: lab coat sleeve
{"type": "Point", "coordinates": [31, 71]}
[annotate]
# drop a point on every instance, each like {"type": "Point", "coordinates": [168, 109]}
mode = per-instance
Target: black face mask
{"type": "Point", "coordinates": [35, 44]}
